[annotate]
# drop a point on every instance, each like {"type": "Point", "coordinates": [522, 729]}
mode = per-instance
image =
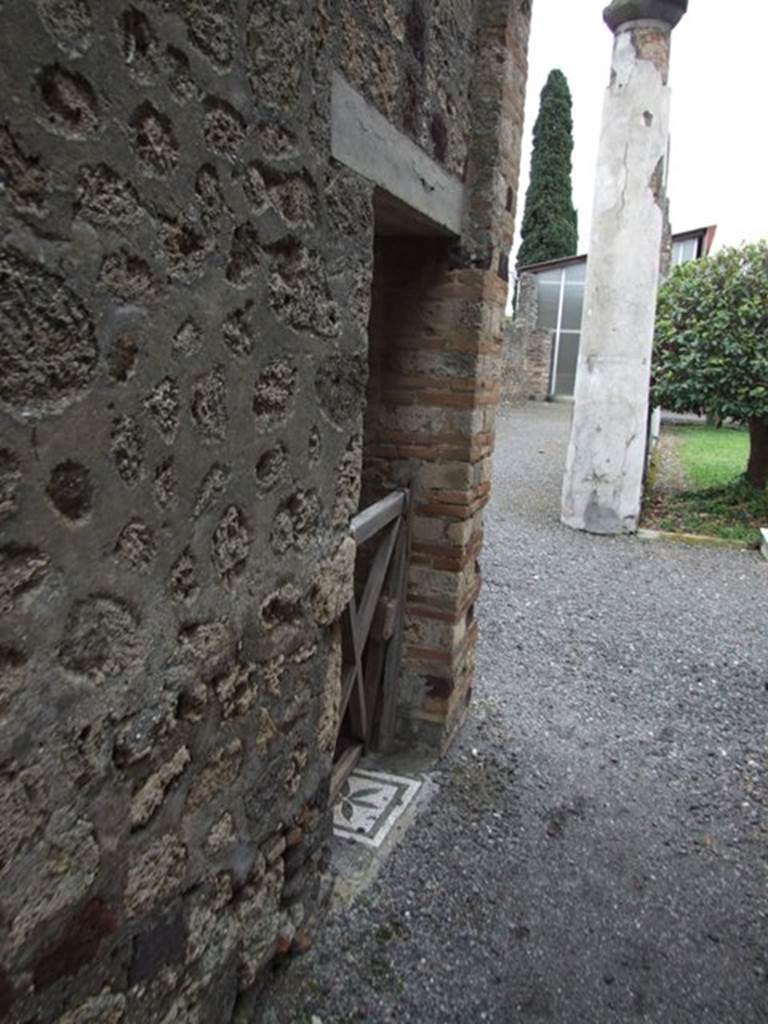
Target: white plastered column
{"type": "Point", "coordinates": [604, 468]}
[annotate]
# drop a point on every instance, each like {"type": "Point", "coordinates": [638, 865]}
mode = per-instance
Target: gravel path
{"type": "Point", "coordinates": [670, 475]}
{"type": "Point", "coordinates": [596, 850]}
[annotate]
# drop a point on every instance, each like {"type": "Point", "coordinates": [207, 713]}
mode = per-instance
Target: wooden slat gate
{"type": "Point", "coordinates": [372, 632]}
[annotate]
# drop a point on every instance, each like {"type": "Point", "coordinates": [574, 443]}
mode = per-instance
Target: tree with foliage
{"type": "Point", "coordinates": [549, 229]}
{"type": "Point", "coordinates": [711, 347]}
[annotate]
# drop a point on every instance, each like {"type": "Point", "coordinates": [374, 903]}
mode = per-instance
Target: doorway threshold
{"type": "Point", "coordinates": [376, 805]}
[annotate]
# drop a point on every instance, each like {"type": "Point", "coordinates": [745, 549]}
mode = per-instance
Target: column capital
{"type": "Point", "coordinates": [621, 11]}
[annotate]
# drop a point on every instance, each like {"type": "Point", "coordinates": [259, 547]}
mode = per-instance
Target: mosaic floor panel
{"type": "Point", "coordinates": [370, 803]}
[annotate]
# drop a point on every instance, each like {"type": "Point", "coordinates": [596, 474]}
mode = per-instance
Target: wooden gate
{"type": "Point", "coordinates": [372, 630]}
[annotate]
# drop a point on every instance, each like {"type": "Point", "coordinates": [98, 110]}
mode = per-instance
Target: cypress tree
{"type": "Point", "coordinates": [549, 229]}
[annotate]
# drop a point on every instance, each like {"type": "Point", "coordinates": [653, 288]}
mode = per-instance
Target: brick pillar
{"type": "Point", "coordinates": [436, 339]}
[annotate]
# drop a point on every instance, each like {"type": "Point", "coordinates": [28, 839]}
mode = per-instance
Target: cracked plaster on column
{"type": "Point", "coordinates": [603, 480]}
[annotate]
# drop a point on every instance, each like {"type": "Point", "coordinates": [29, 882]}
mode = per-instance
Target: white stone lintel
{"type": "Point", "coordinates": [365, 141]}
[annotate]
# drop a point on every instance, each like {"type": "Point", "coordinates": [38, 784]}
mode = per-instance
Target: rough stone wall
{"type": "Point", "coordinates": [527, 348]}
{"type": "Point", "coordinates": [413, 59]}
{"type": "Point", "coordinates": [184, 300]}
{"type": "Point", "coordinates": [498, 106]}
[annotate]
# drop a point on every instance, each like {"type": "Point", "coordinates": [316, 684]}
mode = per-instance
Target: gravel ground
{"type": "Point", "coordinates": [669, 477]}
{"type": "Point", "coordinates": [596, 847]}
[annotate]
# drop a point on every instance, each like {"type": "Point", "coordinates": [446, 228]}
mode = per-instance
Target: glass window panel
{"type": "Point", "coordinates": [684, 250]}
{"type": "Point", "coordinates": [575, 273]}
{"type": "Point", "coordinates": [573, 301]}
{"type": "Point", "coordinates": [567, 361]}
{"type": "Point", "coordinates": [549, 300]}
{"type": "Point", "coordinates": [549, 276]}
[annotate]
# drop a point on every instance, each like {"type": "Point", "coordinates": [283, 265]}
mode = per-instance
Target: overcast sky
{"type": "Point", "coordinates": [719, 159]}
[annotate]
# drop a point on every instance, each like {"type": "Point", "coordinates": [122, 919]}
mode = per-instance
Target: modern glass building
{"type": "Point", "coordinates": [560, 302]}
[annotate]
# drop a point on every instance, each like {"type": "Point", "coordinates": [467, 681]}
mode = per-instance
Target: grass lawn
{"type": "Point", "coordinates": [720, 502]}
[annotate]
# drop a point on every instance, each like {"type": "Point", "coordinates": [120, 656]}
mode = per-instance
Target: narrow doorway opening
{"type": "Point", "coordinates": [411, 257]}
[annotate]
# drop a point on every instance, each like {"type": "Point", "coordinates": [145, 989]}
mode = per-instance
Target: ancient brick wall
{"type": "Point", "coordinates": [527, 348]}
{"type": "Point", "coordinates": [185, 282]}
{"type": "Point", "coordinates": [436, 344]}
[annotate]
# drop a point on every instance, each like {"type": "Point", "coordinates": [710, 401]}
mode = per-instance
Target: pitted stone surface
{"type": "Point", "coordinates": [69, 22]}
{"type": "Point", "coordinates": [333, 582]}
{"type": "Point", "coordinates": [162, 403]}
{"type": "Point", "coordinates": [245, 257]}
{"type": "Point", "coordinates": [221, 771]}
{"type": "Point", "coordinates": [185, 273]}
{"type": "Point", "coordinates": [104, 198]}
{"type": "Point", "coordinates": [212, 486]}
{"type": "Point", "coordinates": [209, 406]}
{"type": "Point", "coordinates": [141, 49]}
{"type": "Point", "coordinates": [223, 128]}
{"type": "Point", "coordinates": [276, 39]}
{"type": "Point", "coordinates": [71, 490]}
{"type": "Point", "coordinates": [299, 293]}
{"type": "Point", "coordinates": [210, 195]}
{"type": "Point", "coordinates": [180, 79]}
{"type": "Point", "coordinates": [136, 545]}
{"type": "Point", "coordinates": [155, 143]}
{"type": "Point", "coordinates": [272, 467]}
{"type": "Point", "coordinates": [10, 475]}
{"type": "Point", "coordinates": [100, 637]}
{"type": "Point", "coordinates": [21, 570]}
{"type": "Point", "coordinates": [155, 874]}
{"type": "Point", "coordinates": [126, 275]}
{"type": "Point", "coordinates": [210, 24]}
{"type": "Point", "coordinates": [276, 141]}
{"type": "Point", "coordinates": [187, 339]}
{"type": "Point", "coordinates": [348, 199]}
{"type": "Point", "coordinates": [25, 180]}
{"type": "Point", "coordinates": [284, 608]}
{"type": "Point", "coordinates": [165, 483]}
{"type": "Point", "coordinates": [71, 108]}
{"type": "Point", "coordinates": [230, 543]}
{"type": "Point", "coordinates": [238, 331]}
{"type": "Point", "coordinates": [127, 449]}
{"type": "Point", "coordinates": [315, 446]}
{"type": "Point", "coordinates": [124, 354]}
{"type": "Point", "coordinates": [295, 522]}
{"type": "Point", "coordinates": [274, 393]}
{"type": "Point", "coordinates": [295, 199]}
{"type": "Point", "coordinates": [255, 188]}
{"type": "Point", "coordinates": [186, 248]}
{"type": "Point", "coordinates": [207, 644]}
{"type": "Point", "coordinates": [184, 584]}
{"type": "Point", "coordinates": [150, 796]}
{"type": "Point", "coordinates": [105, 1008]}
{"type": "Point", "coordinates": [48, 347]}
{"type": "Point", "coordinates": [347, 489]}
{"type": "Point", "coordinates": [340, 385]}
